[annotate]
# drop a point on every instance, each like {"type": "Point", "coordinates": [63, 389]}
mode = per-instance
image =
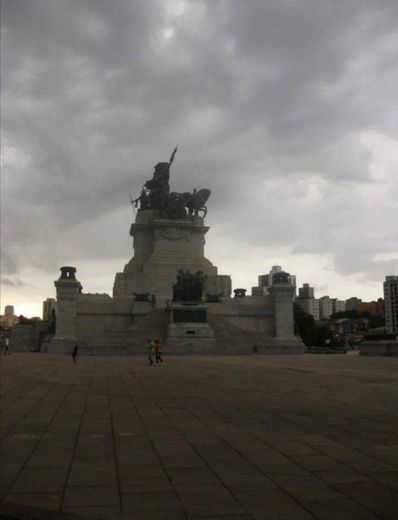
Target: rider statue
{"type": "Point", "coordinates": [155, 194]}
{"type": "Point", "coordinates": [161, 176]}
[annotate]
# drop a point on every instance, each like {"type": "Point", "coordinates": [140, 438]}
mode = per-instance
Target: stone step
{"type": "Point", "coordinates": [228, 338]}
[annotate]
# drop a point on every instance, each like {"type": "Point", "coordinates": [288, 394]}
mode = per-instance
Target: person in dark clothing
{"type": "Point", "coordinates": [158, 351]}
{"type": "Point", "coordinates": [74, 353]}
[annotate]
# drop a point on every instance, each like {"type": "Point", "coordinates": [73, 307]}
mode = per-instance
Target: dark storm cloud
{"type": "Point", "coordinates": [268, 101]}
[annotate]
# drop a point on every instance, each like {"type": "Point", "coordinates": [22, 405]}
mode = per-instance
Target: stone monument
{"type": "Point", "coordinates": [171, 291]}
{"type": "Point", "coordinates": [169, 236]}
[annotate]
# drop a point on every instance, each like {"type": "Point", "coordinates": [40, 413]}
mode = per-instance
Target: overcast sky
{"type": "Point", "coordinates": [286, 110]}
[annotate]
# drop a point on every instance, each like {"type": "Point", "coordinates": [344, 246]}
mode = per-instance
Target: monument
{"type": "Point", "coordinates": [169, 235]}
{"type": "Point", "coordinates": [170, 290]}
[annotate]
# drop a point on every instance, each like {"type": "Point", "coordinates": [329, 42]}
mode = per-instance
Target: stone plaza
{"type": "Point", "coordinates": [234, 437]}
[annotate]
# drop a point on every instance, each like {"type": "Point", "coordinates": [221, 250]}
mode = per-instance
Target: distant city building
{"type": "Point", "coordinates": [266, 280]}
{"type": "Point", "coordinates": [8, 319]}
{"type": "Point", "coordinates": [9, 310]}
{"type": "Point", "coordinates": [390, 287]}
{"type": "Point", "coordinates": [306, 292]}
{"type": "Point", "coordinates": [48, 305]}
{"type": "Point", "coordinates": [351, 303]}
{"type": "Point", "coordinates": [376, 308]}
{"type": "Point", "coordinates": [325, 308]}
{"type": "Point", "coordinates": [337, 305]}
{"type": "Point", "coordinates": [310, 306]}
{"type": "Point", "coordinates": [320, 309]}
{"type": "Point", "coordinates": [373, 307]}
{"type": "Point", "coordinates": [307, 301]}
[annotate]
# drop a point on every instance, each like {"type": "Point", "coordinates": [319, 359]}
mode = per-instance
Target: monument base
{"type": "Point", "coordinates": [189, 345]}
{"type": "Point", "coordinates": [379, 348]}
{"type": "Point", "coordinates": [188, 331]}
{"type": "Point", "coordinates": [284, 346]}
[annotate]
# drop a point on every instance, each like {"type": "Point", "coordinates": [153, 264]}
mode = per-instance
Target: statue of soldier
{"type": "Point", "coordinates": [155, 192]}
{"type": "Point", "coordinates": [158, 187]}
{"type": "Point", "coordinates": [198, 285]}
{"type": "Point", "coordinates": [179, 286]}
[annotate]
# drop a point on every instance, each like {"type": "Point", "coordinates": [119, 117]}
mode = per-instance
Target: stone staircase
{"type": "Point", "coordinates": [231, 339]}
{"type": "Point", "coordinates": [129, 341]}
{"type": "Point", "coordinates": [228, 339]}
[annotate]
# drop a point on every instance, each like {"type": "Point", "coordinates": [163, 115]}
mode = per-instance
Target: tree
{"type": "Point", "coordinates": [313, 335]}
{"type": "Point", "coordinates": [304, 324]}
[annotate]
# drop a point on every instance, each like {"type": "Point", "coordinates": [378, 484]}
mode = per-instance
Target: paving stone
{"type": "Point", "coordinates": [264, 504]}
{"type": "Point", "coordinates": [266, 458]}
{"type": "Point", "coordinates": [127, 470]}
{"type": "Point", "coordinates": [140, 484]}
{"type": "Point", "coordinates": [366, 464]}
{"type": "Point", "coordinates": [294, 448]}
{"type": "Point", "coordinates": [165, 448]}
{"type": "Point", "coordinates": [210, 437]}
{"type": "Point", "coordinates": [39, 480]}
{"type": "Point", "coordinates": [379, 499]}
{"type": "Point", "coordinates": [92, 478]}
{"type": "Point", "coordinates": [317, 462]}
{"type": "Point", "coordinates": [137, 456]}
{"type": "Point", "coordinates": [79, 496]}
{"type": "Point", "coordinates": [236, 516]}
{"type": "Point", "coordinates": [193, 477]}
{"type": "Point", "coordinates": [93, 464]}
{"type": "Point", "coordinates": [339, 510]}
{"type": "Point", "coordinates": [177, 461]}
{"type": "Point", "coordinates": [312, 439]}
{"type": "Point", "coordinates": [249, 481]}
{"type": "Point", "coordinates": [9, 470]}
{"type": "Point", "coordinates": [218, 453]}
{"type": "Point", "coordinates": [50, 501]}
{"type": "Point", "coordinates": [341, 476]}
{"type": "Point", "coordinates": [99, 512]}
{"type": "Point", "coordinates": [217, 501]}
{"type": "Point", "coordinates": [388, 478]}
{"type": "Point", "coordinates": [304, 492]}
{"type": "Point", "coordinates": [50, 460]}
{"type": "Point", "coordinates": [153, 515]}
{"type": "Point", "coordinates": [15, 511]}
{"type": "Point", "coordinates": [162, 501]}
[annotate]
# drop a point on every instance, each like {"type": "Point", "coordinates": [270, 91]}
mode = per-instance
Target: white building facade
{"type": "Point", "coordinates": [310, 306]}
{"type": "Point", "coordinates": [338, 305]}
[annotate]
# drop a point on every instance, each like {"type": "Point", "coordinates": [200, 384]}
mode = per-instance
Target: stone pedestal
{"type": "Point", "coordinates": [161, 247]}
{"type": "Point", "coordinates": [282, 301]}
{"type": "Point", "coordinates": [188, 331]}
{"type": "Point", "coordinates": [68, 289]}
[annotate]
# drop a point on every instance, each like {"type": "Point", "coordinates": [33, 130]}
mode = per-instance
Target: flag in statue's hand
{"type": "Point", "coordinates": [172, 155]}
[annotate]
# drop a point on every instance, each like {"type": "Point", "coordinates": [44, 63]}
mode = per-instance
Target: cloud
{"type": "Point", "coordinates": [12, 283]}
{"type": "Point", "coordinates": [285, 110]}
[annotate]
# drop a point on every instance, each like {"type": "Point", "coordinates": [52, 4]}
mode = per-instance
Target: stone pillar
{"type": "Point", "coordinates": [282, 300]}
{"type": "Point", "coordinates": [68, 289]}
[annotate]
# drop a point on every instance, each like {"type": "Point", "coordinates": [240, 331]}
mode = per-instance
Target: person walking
{"type": "Point", "coordinates": [150, 349]}
{"type": "Point", "coordinates": [158, 351]}
{"type": "Point", "coordinates": [7, 346]}
{"type": "Point", "coordinates": [74, 353]}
